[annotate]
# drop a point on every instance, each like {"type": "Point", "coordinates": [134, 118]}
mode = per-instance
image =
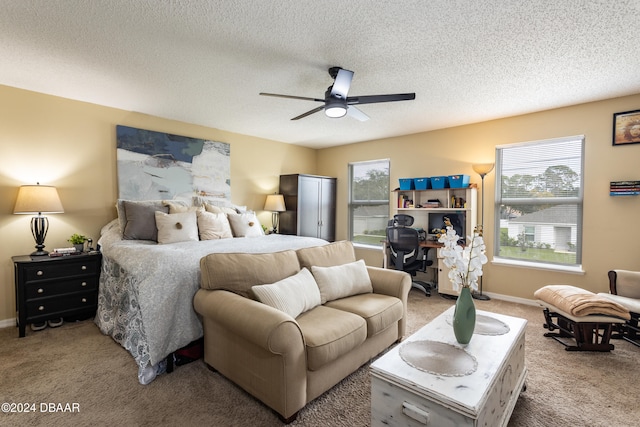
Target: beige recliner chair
{"type": "Point", "coordinates": [624, 288]}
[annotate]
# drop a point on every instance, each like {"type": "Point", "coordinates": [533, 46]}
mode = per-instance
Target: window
{"type": "Point", "coordinates": [539, 200]}
{"type": "Point", "coordinates": [368, 202]}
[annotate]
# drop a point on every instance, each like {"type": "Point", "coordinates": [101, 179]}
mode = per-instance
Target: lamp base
{"type": "Point", "coordinates": [481, 297]}
{"type": "Point", "coordinates": [39, 253]}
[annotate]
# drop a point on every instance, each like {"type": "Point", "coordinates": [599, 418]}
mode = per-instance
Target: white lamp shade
{"type": "Point", "coordinates": [37, 199]}
{"type": "Point", "coordinates": [275, 203]}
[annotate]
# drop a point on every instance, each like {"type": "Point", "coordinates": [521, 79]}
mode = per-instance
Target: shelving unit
{"type": "Point", "coordinates": [454, 200]}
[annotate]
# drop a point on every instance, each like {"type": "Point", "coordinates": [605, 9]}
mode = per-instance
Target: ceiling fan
{"type": "Point", "coordinates": [336, 103]}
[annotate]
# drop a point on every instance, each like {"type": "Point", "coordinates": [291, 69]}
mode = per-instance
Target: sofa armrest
{"type": "Point", "coordinates": [390, 282]}
{"type": "Point", "coordinates": [258, 323]}
{"type": "Point", "coordinates": [393, 283]}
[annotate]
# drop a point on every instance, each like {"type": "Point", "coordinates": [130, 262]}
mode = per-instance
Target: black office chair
{"type": "Point", "coordinates": [405, 251]}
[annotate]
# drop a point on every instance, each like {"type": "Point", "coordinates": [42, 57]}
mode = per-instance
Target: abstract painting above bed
{"type": "Point", "coordinates": [161, 166]}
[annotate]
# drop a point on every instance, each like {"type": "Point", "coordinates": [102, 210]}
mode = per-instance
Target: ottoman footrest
{"type": "Point", "coordinates": [590, 333]}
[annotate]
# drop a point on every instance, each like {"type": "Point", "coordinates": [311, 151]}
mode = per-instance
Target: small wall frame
{"type": "Point", "coordinates": [626, 128]}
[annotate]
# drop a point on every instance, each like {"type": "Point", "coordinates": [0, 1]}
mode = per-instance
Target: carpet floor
{"type": "Point", "coordinates": [75, 376]}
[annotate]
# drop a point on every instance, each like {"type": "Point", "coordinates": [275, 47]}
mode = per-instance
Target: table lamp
{"type": "Point", "coordinates": [275, 204]}
{"type": "Point", "coordinates": [482, 169]}
{"type": "Point", "coordinates": [38, 199]}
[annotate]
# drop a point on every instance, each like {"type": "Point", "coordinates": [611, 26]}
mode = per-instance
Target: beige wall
{"type": "Point", "coordinates": [72, 145]}
{"type": "Point", "coordinates": [611, 235]}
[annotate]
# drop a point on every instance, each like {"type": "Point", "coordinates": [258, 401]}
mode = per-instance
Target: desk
{"type": "Point", "coordinates": [482, 395]}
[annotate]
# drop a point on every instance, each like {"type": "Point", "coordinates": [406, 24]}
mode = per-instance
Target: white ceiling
{"type": "Point", "coordinates": [205, 62]}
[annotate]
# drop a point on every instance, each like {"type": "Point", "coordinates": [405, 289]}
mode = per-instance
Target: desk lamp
{"type": "Point", "coordinates": [38, 199]}
{"type": "Point", "coordinates": [275, 204]}
{"type": "Point", "coordinates": [482, 169]}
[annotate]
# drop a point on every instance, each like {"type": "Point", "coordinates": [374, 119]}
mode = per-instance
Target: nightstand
{"type": "Point", "coordinates": [54, 287]}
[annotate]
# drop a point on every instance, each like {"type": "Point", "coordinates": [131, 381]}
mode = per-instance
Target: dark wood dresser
{"type": "Point", "coordinates": [55, 287]}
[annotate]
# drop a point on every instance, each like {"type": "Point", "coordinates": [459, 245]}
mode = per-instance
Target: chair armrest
{"type": "Point", "coordinates": [624, 283]}
{"type": "Point", "coordinates": [258, 323]}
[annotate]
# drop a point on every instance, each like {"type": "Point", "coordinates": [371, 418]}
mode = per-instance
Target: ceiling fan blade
{"type": "Point", "coordinates": [304, 98]}
{"type": "Point", "coordinates": [357, 114]}
{"type": "Point", "coordinates": [342, 83]}
{"type": "Point", "coordinates": [373, 99]}
{"type": "Point", "coordinates": [308, 113]}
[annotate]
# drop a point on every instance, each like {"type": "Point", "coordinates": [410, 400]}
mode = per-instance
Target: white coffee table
{"type": "Point", "coordinates": [430, 379]}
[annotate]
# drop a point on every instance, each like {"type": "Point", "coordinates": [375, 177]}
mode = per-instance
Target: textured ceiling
{"type": "Point", "coordinates": [205, 62]}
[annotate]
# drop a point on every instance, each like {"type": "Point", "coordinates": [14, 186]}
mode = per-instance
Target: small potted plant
{"type": "Point", "coordinates": [77, 240]}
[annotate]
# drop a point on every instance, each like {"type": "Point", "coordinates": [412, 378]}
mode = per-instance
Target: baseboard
{"type": "Point", "coordinates": [509, 298]}
{"type": "Point", "coordinates": [7, 322]}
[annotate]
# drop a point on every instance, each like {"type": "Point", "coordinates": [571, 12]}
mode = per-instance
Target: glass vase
{"type": "Point", "coordinates": [464, 317]}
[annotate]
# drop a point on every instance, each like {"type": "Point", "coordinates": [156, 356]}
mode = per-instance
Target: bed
{"type": "Point", "coordinates": [145, 300]}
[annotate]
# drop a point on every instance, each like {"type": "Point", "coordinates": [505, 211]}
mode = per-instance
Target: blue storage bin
{"type": "Point", "coordinates": [406, 184]}
{"type": "Point", "coordinates": [422, 183]}
{"type": "Point", "coordinates": [458, 181]}
{"type": "Point", "coordinates": [438, 182]}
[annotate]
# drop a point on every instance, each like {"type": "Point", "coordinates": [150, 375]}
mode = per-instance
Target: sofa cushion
{"type": "Point", "coordinates": [342, 281]}
{"type": "Point", "coordinates": [329, 333]}
{"type": "Point", "coordinates": [379, 311]}
{"type": "Point", "coordinates": [335, 253]}
{"type": "Point", "coordinates": [238, 272]}
{"type": "Point", "coordinates": [293, 295]}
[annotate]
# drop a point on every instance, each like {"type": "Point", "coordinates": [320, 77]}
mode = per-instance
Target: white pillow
{"type": "Point", "coordinates": [245, 225]}
{"type": "Point", "coordinates": [293, 295]}
{"type": "Point", "coordinates": [219, 209]}
{"type": "Point", "coordinates": [212, 226]}
{"type": "Point", "coordinates": [178, 227]}
{"type": "Point", "coordinates": [178, 206]}
{"type": "Point", "coordinates": [342, 280]}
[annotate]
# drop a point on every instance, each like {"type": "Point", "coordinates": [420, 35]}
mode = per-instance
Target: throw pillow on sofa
{"type": "Point", "coordinates": [342, 281]}
{"type": "Point", "coordinates": [293, 295]}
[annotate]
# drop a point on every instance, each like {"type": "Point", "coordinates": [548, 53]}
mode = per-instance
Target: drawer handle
{"type": "Point", "coordinates": [84, 300]}
{"type": "Point", "coordinates": [412, 411]}
{"type": "Point", "coordinates": [39, 273]}
{"type": "Point", "coordinates": [83, 284]}
{"type": "Point", "coordinates": [84, 267]}
{"type": "Point", "coordinates": [41, 308]}
{"type": "Point", "coordinates": [40, 290]}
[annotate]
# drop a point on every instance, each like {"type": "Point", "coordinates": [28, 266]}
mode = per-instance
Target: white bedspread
{"type": "Point", "coordinates": [146, 289]}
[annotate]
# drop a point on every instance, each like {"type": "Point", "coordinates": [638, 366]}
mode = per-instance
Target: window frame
{"type": "Point", "coordinates": [577, 200]}
{"type": "Point", "coordinates": [353, 205]}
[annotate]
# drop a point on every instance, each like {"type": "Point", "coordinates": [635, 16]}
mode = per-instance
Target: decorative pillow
{"type": "Point", "coordinates": [219, 209]}
{"type": "Point", "coordinates": [178, 206]}
{"type": "Point", "coordinates": [137, 219]}
{"type": "Point", "coordinates": [212, 226]}
{"type": "Point", "coordinates": [342, 280]}
{"type": "Point", "coordinates": [245, 225]}
{"type": "Point", "coordinates": [178, 227]}
{"type": "Point", "coordinates": [293, 295]}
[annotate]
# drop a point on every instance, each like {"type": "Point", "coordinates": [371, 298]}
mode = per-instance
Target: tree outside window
{"type": "Point", "coordinates": [368, 202]}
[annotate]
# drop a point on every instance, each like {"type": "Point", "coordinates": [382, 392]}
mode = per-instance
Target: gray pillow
{"type": "Point", "coordinates": [140, 219]}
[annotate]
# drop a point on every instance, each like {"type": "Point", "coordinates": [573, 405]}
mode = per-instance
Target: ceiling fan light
{"type": "Point", "coordinates": [335, 111]}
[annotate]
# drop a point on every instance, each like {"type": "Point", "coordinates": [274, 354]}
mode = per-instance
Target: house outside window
{"type": "Point", "coordinates": [539, 194]}
{"type": "Point", "coordinates": [368, 202]}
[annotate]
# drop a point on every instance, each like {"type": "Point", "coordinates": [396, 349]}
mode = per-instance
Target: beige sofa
{"type": "Point", "coordinates": [283, 358]}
